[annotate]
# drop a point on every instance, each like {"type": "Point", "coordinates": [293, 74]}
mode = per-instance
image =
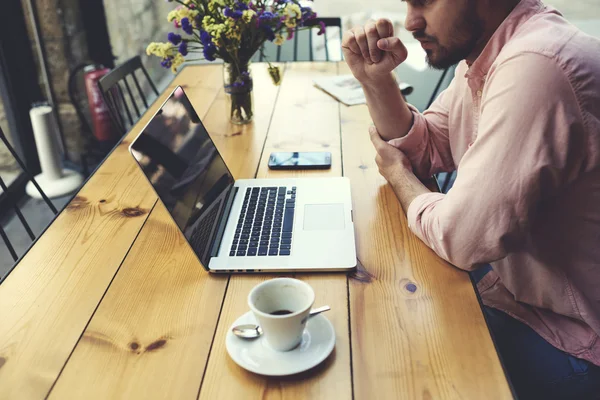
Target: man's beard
{"type": "Point", "coordinates": [463, 39]}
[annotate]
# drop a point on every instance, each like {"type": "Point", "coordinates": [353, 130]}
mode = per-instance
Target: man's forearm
{"type": "Point", "coordinates": [407, 187]}
{"type": "Point", "coordinates": [389, 112]}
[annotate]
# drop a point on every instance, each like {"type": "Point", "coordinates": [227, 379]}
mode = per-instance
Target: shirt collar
{"type": "Point", "coordinates": [521, 13]}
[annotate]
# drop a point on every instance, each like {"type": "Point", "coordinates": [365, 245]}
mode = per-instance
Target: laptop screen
{"type": "Point", "coordinates": [186, 170]}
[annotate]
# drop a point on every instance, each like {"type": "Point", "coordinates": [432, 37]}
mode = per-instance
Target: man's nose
{"type": "Point", "coordinates": [414, 20]}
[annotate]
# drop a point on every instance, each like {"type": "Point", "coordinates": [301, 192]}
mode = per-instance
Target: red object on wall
{"type": "Point", "coordinates": [103, 128]}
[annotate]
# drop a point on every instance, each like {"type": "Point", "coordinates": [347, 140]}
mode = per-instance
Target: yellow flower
{"type": "Point", "coordinates": [213, 4]}
{"type": "Point", "coordinates": [161, 50]}
{"type": "Point", "coordinates": [185, 12]}
{"type": "Point", "coordinates": [177, 61]}
{"type": "Point", "coordinates": [275, 74]}
{"type": "Point", "coordinates": [290, 23]}
{"type": "Point", "coordinates": [151, 48]}
{"type": "Point", "coordinates": [172, 15]}
{"type": "Point", "coordinates": [215, 30]}
{"type": "Point", "coordinates": [293, 10]}
{"type": "Point", "coordinates": [232, 30]}
{"type": "Point", "coordinates": [279, 39]}
{"type": "Point", "coordinates": [207, 20]}
{"type": "Point", "coordinates": [292, 13]}
{"type": "Point", "coordinates": [182, 12]}
{"type": "Point", "coordinates": [247, 15]}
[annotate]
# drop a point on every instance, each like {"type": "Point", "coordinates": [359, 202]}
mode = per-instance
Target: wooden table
{"type": "Point", "coordinates": [112, 303]}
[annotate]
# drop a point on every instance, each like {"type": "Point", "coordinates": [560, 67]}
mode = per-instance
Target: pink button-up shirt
{"type": "Point", "coordinates": [522, 127]}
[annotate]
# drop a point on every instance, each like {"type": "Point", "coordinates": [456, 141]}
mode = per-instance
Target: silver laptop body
{"type": "Point", "coordinates": [245, 225]}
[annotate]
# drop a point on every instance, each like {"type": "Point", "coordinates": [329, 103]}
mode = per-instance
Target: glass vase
{"type": "Point", "coordinates": [237, 81]}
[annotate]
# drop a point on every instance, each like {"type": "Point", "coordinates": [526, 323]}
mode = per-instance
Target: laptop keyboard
{"type": "Point", "coordinates": [265, 223]}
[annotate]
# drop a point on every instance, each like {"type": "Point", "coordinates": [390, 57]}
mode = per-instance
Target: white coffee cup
{"type": "Point", "coordinates": [281, 307]}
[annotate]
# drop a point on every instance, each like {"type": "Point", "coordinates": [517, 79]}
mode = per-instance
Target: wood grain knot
{"type": "Point", "coordinates": [134, 346]}
{"type": "Point", "coordinates": [363, 167]}
{"type": "Point", "coordinates": [156, 345]}
{"type": "Point", "coordinates": [409, 286]}
{"type": "Point", "coordinates": [2, 361]}
{"type": "Point", "coordinates": [77, 203]}
{"type": "Point", "coordinates": [132, 212]}
{"type": "Point", "coordinates": [102, 201]}
{"type": "Point", "coordinates": [361, 274]}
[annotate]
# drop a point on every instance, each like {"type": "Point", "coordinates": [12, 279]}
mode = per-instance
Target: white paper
{"type": "Point", "coordinates": [346, 89]}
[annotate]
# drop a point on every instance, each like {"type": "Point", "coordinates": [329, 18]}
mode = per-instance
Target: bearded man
{"type": "Point", "coordinates": [520, 122]}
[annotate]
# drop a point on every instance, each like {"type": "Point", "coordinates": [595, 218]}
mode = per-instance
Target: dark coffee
{"type": "Point", "coordinates": [281, 312]}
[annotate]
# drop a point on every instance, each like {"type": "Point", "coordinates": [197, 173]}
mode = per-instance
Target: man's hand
{"type": "Point", "coordinates": [372, 51]}
{"type": "Point", "coordinates": [389, 159]}
{"type": "Point", "coordinates": [397, 170]}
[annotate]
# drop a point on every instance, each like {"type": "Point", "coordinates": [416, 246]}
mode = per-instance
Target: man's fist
{"type": "Point", "coordinates": [373, 51]}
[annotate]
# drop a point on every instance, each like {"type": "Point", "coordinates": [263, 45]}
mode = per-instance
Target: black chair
{"type": "Point", "coordinates": [115, 84]}
{"type": "Point", "coordinates": [297, 50]}
{"type": "Point", "coordinates": [8, 197]}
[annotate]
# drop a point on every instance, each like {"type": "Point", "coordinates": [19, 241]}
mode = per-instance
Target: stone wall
{"type": "Point", "coordinates": [132, 25]}
{"type": "Point", "coordinates": [7, 163]}
{"type": "Point", "coordinates": [63, 37]}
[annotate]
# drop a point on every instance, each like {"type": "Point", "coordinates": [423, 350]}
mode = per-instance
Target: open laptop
{"type": "Point", "coordinates": [245, 225]}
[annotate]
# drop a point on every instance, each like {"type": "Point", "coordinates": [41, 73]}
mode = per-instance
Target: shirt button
{"type": "Point", "coordinates": [479, 93]}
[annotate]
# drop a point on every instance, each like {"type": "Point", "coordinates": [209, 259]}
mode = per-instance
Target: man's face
{"type": "Point", "coordinates": [447, 29]}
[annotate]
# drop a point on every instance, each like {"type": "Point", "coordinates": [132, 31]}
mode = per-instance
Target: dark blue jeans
{"type": "Point", "coordinates": [537, 369]}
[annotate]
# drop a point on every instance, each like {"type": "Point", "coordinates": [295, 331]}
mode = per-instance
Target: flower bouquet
{"type": "Point", "coordinates": [232, 30]}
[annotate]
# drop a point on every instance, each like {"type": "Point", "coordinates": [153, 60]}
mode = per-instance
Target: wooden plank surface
{"type": "Point", "coordinates": [417, 328]}
{"type": "Point", "coordinates": [146, 321]}
{"type": "Point", "coordinates": [151, 336]}
{"type": "Point", "coordinates": [48, 299]}
{"type": "Point", "coordinates": [305, 119]}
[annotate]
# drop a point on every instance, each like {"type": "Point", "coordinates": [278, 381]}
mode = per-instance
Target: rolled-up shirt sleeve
{"type": "Point", "coordinates": [427, 144]}
{"type": "Point", "coordinates": [530, 143]}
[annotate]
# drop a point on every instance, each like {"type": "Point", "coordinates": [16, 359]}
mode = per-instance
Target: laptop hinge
{"type": "Point", "coordinates": [216, 243]}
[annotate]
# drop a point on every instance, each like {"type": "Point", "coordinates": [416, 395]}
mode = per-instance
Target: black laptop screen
{"type": "Point", "coordinates": [186, 170]}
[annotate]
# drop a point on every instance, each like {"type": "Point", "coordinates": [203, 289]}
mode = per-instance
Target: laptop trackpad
{"type": "Point", "coordinates": [324, 217]}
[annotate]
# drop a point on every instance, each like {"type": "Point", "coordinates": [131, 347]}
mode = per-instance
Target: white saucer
{"type": "Point", "coordinates": [257, 356]}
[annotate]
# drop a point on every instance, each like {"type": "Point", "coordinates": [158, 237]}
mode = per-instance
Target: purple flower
{"type": "Point", "coordinates": [235, 14]}
{"type": "Point", "coordinates": [307, 13]}
{"type": "Point", "coordinates": [266, 16]}
{"type": "Point", "coordinates": [209, 52]}
{"type": "Point", "coordinates": [322, 28]}
{"type": "Point", "coordinates": [167, 62]}
{"type": "Point", "coordinates": [240, 6]}
{"type": "Point", "coordinates": [174, 38]}
{"type": "Point", "coordinates": [270, 35]}
{"type": "Point", "coordinates": [186, 26]}
{"type": "Point", "coordinates": [183, 48]}
{"type": "Point", "coordinates": [205, 38]}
